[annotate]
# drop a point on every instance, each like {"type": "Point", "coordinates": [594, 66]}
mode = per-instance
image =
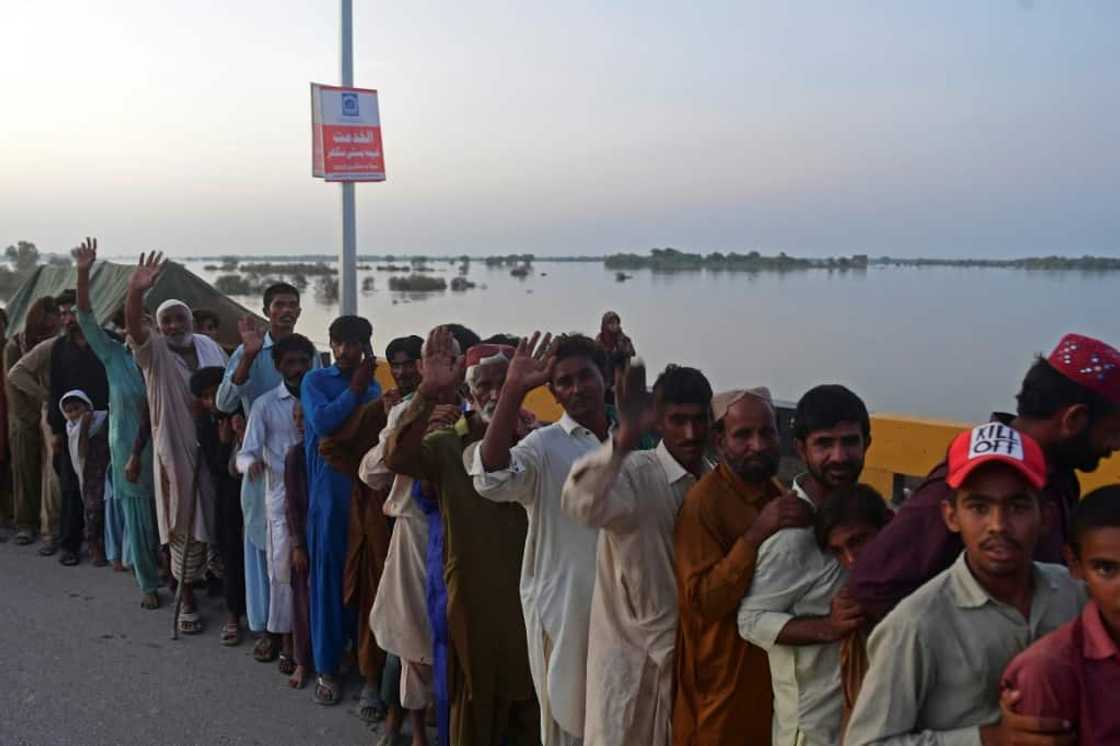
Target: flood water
{"type": "Point", "coordinates": [937, 342]}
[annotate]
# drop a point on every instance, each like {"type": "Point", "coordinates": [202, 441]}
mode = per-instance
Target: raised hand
{"type": "Point", "coordinates": [442, 363]}
{"type": "Point", "coordinates": [251, 337]}
{"type": "Point", "coordinates": [532, 363]}
{"type": "Point", "coordinates": [147, 271]}
{"type": "Point", "coordinates": [635, 405]}
{"type": "Point", "coordinates": [86, 254]}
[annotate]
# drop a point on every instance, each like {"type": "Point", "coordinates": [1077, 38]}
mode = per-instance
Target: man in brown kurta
{"type": "Point", "coordinates": [723, 683]}
{"type": "Point", "coordinates": [491, 690]}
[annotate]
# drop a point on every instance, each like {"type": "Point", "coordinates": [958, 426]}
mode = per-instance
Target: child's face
{"type": "Point", "coordinates": [1098, 564]}
{"type": "Point", "coordinates": [73, 409]}
{"type": "Point", "coordinates": [207, 399]}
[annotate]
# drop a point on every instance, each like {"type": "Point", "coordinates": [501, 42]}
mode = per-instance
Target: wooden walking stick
{"type": "Point", "coordinates": [187, 546]}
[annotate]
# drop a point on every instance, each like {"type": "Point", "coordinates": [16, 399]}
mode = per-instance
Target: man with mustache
{"type": "Point", "coordinates": [1070, 404]}
{"type": "Point", "coordinates": [632, 498]}
{"type": "Point", "coordinates": [251, 373]}
{"type": "Point", "coordinates": [558, 572]}
{"type": "Point", "coordinates": [184, 490]}
{"type": "Point", "coordinates": [937, 658]}
{"type": "Point", "coordinates": [487, 665]}
{"type": "Point", "coordinates": [723, 682]}
{"type": "Point", "coordinates": [791, 610]}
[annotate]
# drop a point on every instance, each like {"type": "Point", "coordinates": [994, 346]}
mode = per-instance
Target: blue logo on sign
{"type": "Point", "coordinates": [349, 104]}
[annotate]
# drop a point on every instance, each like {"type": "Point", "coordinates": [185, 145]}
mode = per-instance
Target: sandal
{"type": "Point", "coordinates": [370, 706]}
{"type": "Point", "coordinates": [287, 664]}
{"type": "Point", "coordinates": [265, 651]}
{"type": "Point", "coordinates": [327, 691]}
{"type": "Point", "coordinates": [48, 548]}
{"type": "Point", "coordinates": [231, 634]}
{"type": "Point", "coordinates": [23, 538]}
{"type": "Point", "coordinates": [189, 622]}
{"type": "Point", "coordinates": [68, 558]}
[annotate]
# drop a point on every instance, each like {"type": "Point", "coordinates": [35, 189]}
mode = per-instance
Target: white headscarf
{"type": "Point", "coordinates": [74, 430]}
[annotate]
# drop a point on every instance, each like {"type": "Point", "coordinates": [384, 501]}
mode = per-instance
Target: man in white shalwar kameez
{"type": "Point", "coordinates": [270, 432]}
{"type": "Point", "coordinates": [167, 360]}
{"type": "Point", "coordinates": [558, 570]}
{"type": "Point", "coordinates": [633, 498]}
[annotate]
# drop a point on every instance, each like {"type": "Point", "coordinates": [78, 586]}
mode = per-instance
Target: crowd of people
{"type": "Point", "coordinates": [633, 573]}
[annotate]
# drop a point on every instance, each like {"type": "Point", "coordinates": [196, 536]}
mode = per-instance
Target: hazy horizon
{"type": "Point", "coordinates": [948, 130]}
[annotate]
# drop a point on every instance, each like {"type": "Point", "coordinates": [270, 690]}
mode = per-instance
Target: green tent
{"type": "Point", "coordinates": [109, 287]}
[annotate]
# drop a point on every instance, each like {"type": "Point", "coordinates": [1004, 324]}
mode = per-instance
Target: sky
{"type": "Point", "coordinates": [953, 128]}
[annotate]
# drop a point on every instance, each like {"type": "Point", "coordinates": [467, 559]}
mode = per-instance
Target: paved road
{"type": "Point", "coordinates": [82, 663]}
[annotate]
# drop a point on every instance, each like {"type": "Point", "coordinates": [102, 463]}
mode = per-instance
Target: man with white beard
{"type": "Point", "coordinates": [184, 492]}
{"type": "Point", "coordinates": [486, 663]}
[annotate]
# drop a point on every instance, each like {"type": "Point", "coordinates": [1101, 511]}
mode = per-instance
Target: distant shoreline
{"type": "Point", "coordinates": [673, 260]}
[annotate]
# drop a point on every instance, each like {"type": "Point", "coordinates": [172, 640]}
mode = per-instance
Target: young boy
{"type": "Point", "coordinates": [214, 429]}
{"type": "Point", "coordinates": [87, 434]}
{"type": "Point", "coordinates": [271, 431]}
{"type": "Point", "coordinates": [1073, 674]}
{"type": "Point", "coordinates": [295, 510]}
{"type": "Point", "coordinates": [849, 518]}
{"type": "Point", "coordinates": [937, 658]}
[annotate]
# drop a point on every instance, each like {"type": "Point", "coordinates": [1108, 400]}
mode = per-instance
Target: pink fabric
{"type": "Point", "coordinates": [1073, 674]}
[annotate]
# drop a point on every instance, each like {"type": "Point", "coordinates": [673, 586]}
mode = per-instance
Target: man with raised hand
{"type": "Point", "coordinates": [558, 570]}
{"type": "Point", "coordinates": [632, 497]}
{"type": "Point", "coordinates": [329, 397]}
{"type": "Point", "coordinates": [251, 373]}
{"type": "Point", "coordinates": [184, 492]}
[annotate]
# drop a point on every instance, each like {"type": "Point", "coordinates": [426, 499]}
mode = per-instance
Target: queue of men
{"type": "Point", "coordinates": [633, 573]}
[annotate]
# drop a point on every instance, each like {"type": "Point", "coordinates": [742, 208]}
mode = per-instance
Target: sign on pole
{"type": "Point", "coordinates": [346, 134]}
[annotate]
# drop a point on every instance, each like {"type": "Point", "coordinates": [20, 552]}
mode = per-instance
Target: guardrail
{"type": "Point", "coordinates": [903, 448]}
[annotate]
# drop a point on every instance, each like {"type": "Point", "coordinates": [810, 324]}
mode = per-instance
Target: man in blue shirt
{"type": "Point", "coordinates": [329, 397]}
{"type": "Point", "coordinates": [248, 375]}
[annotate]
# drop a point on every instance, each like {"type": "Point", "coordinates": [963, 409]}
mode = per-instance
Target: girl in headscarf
{"type": "Point", "coordinates": [618, 346]}
{"type": "Point", "coordinates": [87, 434]}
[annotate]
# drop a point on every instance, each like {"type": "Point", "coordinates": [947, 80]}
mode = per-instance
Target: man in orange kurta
{"type": "Point", "coordinates": [724, 694]}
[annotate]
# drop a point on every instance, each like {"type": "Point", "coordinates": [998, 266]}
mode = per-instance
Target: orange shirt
{"type": "Point", "coordinates": [723, 682]}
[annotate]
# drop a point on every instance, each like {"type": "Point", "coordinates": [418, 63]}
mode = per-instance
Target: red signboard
{"type": "Point", "coordinates": [346, 134]}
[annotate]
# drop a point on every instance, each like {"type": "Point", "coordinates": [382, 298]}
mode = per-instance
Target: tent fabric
{"type": "Point", "coordinates": [109, 288]}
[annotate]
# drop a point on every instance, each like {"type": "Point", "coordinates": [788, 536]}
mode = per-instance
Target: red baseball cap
{"type": "Point", "coordinates": [1090, 363]}
{"type": "Point", "coordinates": [999, 443]}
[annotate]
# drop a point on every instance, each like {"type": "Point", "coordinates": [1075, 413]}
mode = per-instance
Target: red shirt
{"type": "Point", "coordinates": [1073, 674]}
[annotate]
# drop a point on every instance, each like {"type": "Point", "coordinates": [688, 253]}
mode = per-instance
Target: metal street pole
{"type": "Point", "coordinates": [347, 258]}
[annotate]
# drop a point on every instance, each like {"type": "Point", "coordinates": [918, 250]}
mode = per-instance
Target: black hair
{"type": "Point", "coordinates": [824, 407]}
{"type": "Point", "coordinates": [202, 315]}
{"type": "Point", "coordinates": [4, 316]}
{"type": "Point", "coordinates": [279, 288]}
{"type": "Point", "coordinates": [351, 329]}
{"type": "Point", "coordinates": [204, 378]}
{"type": "Point", "coordinates": [851, 503]}
{"type": "Point", "coordinates": [679, 384]}
{"type": "Point", "coordinates": [67, 297]}
{"type": "Point", "coordinates": [410, 345]}
{"type": "Point", "coordinates": [1045, 392]}
{"type": "Point", "coordinates": [1099, 509]}
{"type": "Point", "coordinates": [464, 336]}
{"type": "Point", "coordinates": [580, 345]}
{"type": "Point", "coordinates": [292, 343]}
{"type": "Point", "coordinates": [502, 339]}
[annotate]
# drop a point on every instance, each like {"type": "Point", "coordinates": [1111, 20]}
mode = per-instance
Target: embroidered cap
{"type": "Point", "coordinates": [995, 442]}
{"type": "Point", "coordinates": [725, 400]}
{"type": "Point", "coordinates": [1090, 363]}
{"type": "Point", "coordinates": [488, 353]}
